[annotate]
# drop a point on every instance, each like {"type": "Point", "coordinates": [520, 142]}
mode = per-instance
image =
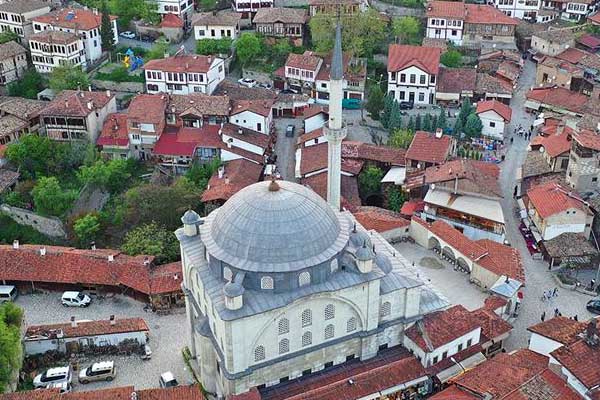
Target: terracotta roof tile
{"type": "Point", "coordinates": [582, 360]}
{"type": "Point", "coordinates": [23, 6]}
{"type": "Point", "coordinates": [428, 148]}
{"type": "Point", "coordinates": [54, 37]}
{"type": "Point", "coordinates": [371, 152]}
{"type": "Point", "coordinates": [314, 158]}
{"type": "Point", "coordinates": [314, 109]}
{"type": "Point", "coordinates": [379, 219]}
{"type": "Point", "coordinates": [272, 15]}
{"type": "Point", "coordinates": [482, 176]}
{"type": "Point", "coordinates": [456, 80]}
{"type": "Point", "coordinates": [171, 21]}
{"type": "Point", "coordinates": [455, 238]}
{"type": "Point", "coordinates": [198, 104]}
{"type": "Point", "coordinates": [486, 14]}
{"type": "Point", "coordinates": [550, 198]}
{"type": "Point", "coordinates": [494, 302]}
{"type": "Point", "coordinates": [40, 394]}
{"type": "Point", "coordinates": [305, 137]}
{"type": "Point", "coordinates": [308, 61]}
{"type": "Point", "coordinates": [166, 278]}
{"type": "Point", "coordinates": [492, 85]}
{"type": "Point", "coordinates": [558, 97]}
{"type": "Point", "coordinates": [446, 9]}
{"type": "Point", "coordinates": [240, 174]}
{"type": "Point", "coordinates": [11, 49]}
{"type": "Point", "coordinates": [260, 107]}
{"type": "Point", "coordinates": [494, 105]}
{"type": "Point", "coordinates": [587, 139]}
{"type": "Point", "coordinates": [412, 206]}
{"type": "Point", "coordinates": [223, 18]}
{"type": "Point", "coordinates": [595, 19]}
{"type": "Point", "coordinates": [572, 55]}
{"type": "Point", "coordinates": [349, 189]}
{"type": "Point", "coordinates": [247, 135]}
{"type": "Point", "coordinates": [557, 141]}
{"type": "Point", "coordinates": [492, 325]}
{"type": "Point", "coordinates": [502, 260]}
{"type": "Point", "coordinates": [560, 329]}
{"type": "Point", "coordinates": [22, 108]}
{"type": "Point", "coordinates": [88, 328]}
{"type": "Point", "coordinates": [454, 393]}
{"type": "Point", "coordinates": [404, 56]}
{"type": "Point", "coordinates": [72, 18]}
{"type": "Point", "coordinates": [183, 141]}
{"type": "Point", "coordinates": [181, 63]}
{"type": "Point", "coordinates": [589, 41]}
{"type": "Point", "coordinates": [74, 103]}
{"type": "Point", "coordinates": [114, 131]}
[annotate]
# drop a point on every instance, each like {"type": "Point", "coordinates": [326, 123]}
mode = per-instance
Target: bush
{"type": "Point", "coordinates": [451, 59]}
{"type": "Point", "coordinates": [119, 74]}
{"type": "Point", "coordinates": [214, 46]}
{"type": "Point", "coordinates": [30, 84]}
{"type": "Point", "coordinates": [152, 239]}
{"type": "Point", "coordinates": [10, 343]}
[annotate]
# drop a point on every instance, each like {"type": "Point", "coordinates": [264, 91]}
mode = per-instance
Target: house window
{"type": "Point", "coordinates": [334, 265]}
{"type": "Point", "coordinates": [402, 95]}
{"type": "Point", "coordinates": [259, 127]}
{"type": "Point", "coordinates": [594, 179]}
{"type": "Point", "coordinates": [422, 79]}
{"type": "Point", "coordinates": [413, 78]}
{"type": "Point", "coordinates": [386, 309]}
{"type": "Point", "coordinates": [421, 96]}
{"type": "Point", "coordinates": [266, 282]}
{"type": "Point", "coordinates": [304, 278]}
{"type": "Point", "coordinates": [435, 359]}
{"type": "Point", "coordinates": [469, 342]}
{"type": "Point", "coordinates": [351, 324]}
{"type": "Point", "coordinates": [259, 353]}
{"type": "Point", "coordinates": [460, 347]}
{"type": "Point", "coordinates": [152, 87]}
{"type": "Point", "coordinates": [444, 355]}
{"type": "Point", "coordinates": [492, 124]}
{"type": "Point", "coordinates": [200, 32]}
{"type": "Point", "coordinates": [283, 326]}
{"type": "Point", "coordinates": [329, 311]}
{"type": "Point", "coordinates": [402, 77]}
{"type": "Point", "coordinates": [284, 346]}
{"type": "Point", "coordinates": [306, 318]}
{"type": "Point", "coordinates": [329, 331]}
{"type": "Point", "coordinates": [306, 338]}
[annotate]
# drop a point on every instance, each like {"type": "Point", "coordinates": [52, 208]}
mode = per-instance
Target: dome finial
{"type": "Point", "coordinates": [273, 186]}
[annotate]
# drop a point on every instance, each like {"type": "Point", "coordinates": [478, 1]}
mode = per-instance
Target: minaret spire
{"type": "Point", "coordinates": [334, 130]}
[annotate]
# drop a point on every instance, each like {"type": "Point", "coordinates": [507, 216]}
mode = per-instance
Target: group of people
{"type": "Point", "coordinates": [550, 294]}
{"type": "Point", "coordinates": [557, 313]}
{"type": "Point", "coordinates": [523, 133]}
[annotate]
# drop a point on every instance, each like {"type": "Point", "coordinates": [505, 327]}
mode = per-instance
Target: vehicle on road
{"type": "Point", "coordinates": [127, 34]}
{"type": "Point", "coordinates": [53, 376]}
{"type": "Point", "coordinates": [63, 387]}
{"type": "Point", "coordinates": [265, 85]}
{"type": "Point", "coordinates": [289, 131]}
{"type": "Point", "coordinates": [250, 83]}
{"type": "Point", "coordinates": [406, 105]}
{"type": "Point", "coordinates": [351, 104]}
{"type": "Point", "coordinates": [593, 306]}
{"type": "Point", "coordinates": [289, 91]}
{"type": "Point", "coordinates": [75, 299]}
{"type": "Point", "coordinates": [147, 354]}
{"type": "Point", "coordinates": [167, 380]}
{"type": "Point", "coordinates": [100, 371]}
{"type": "Point", "coordinates": [8, 293]}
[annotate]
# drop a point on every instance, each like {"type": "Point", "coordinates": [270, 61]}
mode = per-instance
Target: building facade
{"type": "Point", "coordinates": [184, 9]}
{"type": "Point", "coordinates": [52, 49]}
{"type": "Point", "coordinates": [15, 16]}
{"type": "Point", "coordinates": [13, 62]}
{"type": "Point", "coordinates": [213, 25]}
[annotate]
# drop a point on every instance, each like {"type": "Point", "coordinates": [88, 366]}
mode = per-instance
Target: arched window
{"type": "Point", "coordinates": [351, 324]}
{"type": "Point", "coordinates": [227, 274]}
{"type": "Point", "coordinates": [329, 331]}
{"type": "Point", "coordinates": [283, 326]}
{"type": "Point", "coordinates": [259, 353]}
{"type": "Point", "coordinates": [386, 309]}
{"type": "Point", "coordinates": [303, 278]}
{"type": "Point", "coordinates": [334, 265]}
{"type": "Point", "coordinates": [329, 311]}
{"type": "Point", "coordinates": [284, 346]}
{"type": "Point", "coordinates": [306, 318]}
{"type": "Point", "coordinates": [306, 338]}
{"type": "Point", "coordinates": [266, 282]}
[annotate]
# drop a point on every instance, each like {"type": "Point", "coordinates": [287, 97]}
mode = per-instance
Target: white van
{"type": "Point", "coordinates": [75, 299]}
{"type": "Point", "coordinates": [8, 293]}
{"type": "Point", "coordinates": [53, 376]}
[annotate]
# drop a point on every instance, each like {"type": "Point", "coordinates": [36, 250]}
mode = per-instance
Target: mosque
{"type": "Point", "coordinates": [280, 284]}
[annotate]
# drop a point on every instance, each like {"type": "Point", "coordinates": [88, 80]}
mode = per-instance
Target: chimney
{"type": "Point", "coordinates": [229, 144]}
{"type": "Point", "coordinates": [43, 251]}
{"type": "Point", "coordinates": [214, 12]}
{"type": "Point", "coordinates": [240, 131]}
{"type": "Point", "coordinates": [439, 133]}
{"type": "Point", "coordinates": [73, 322]}
{"type": "Point", "coordinates": [108, 93]}
{"type": "Point", "coordinates": [226, 180]}
{"type": "Point", "coordinates": [133, 396]}
{"type": "Point", "coordinates": [111, 258]}
{"type": "Point", "coordinates": [112, 320]}
{"type": "Point", "coordinates": [90, 105]}
{"type": "Point", "coordinates": [166, 55]}
{"type": "Point", "coordinates": [221, 171]}
{"type": "Point", "coordinates": [93, 245]}
{"type": "Point", "coordinates": [66, 103]}
{"type": "Point", "coordinates": [95, 11]}
{"type": "Point", "coordinates": [16, 244]}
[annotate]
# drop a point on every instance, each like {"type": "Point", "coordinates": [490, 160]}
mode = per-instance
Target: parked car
{"type": "Point", "coordinates": [101, 371]}
{"type": "Point", "coordinates": [8, 293]}
{"type": "Point", "coordinates": [75, 299]}
{"type": "Point", "coordinates": [351, 104]}
{"type": "Point", "coordinates": [289, 91]}
{"type": "Point", "coordinates": [147, 354]}
{"type": "Point", "coordinates": [127, 34]}
{"type": "Point", "coordinates": [247, 82]}
{"type": "Point", "coordinates": [406, 105]}
{"type": "Point", "coordinates": [167, 380]}
{"type": "Point", "coordinates": [64, 387]}
{"type": "Point", "coordinates": [289, 131]}
{"type": "Point", "coordinates": [265, 85]}
{"type": "Point", "coordinates": [53, 376]}
{"type": "Point", "coordinates": [593, 306]}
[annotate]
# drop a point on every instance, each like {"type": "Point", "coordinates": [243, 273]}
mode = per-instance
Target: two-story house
{"type": "Point", "coordinates": [13, 62]}
{"type": "Point", "coordinates": [256, 115]}
{"type": "Point", "coordinates": [571, 10]}
{"type": "Point", "coordinates": [184, 74]}
{"type": "Point", "coordinates": [15, 16]}
{"type": "Point", "coordinates": [81, 22]}
{"type": "Point", "coordinates": [552, 42]}
{"type": "Point", "coordinates": [217, 25]}
{"type": "Point", "coordinates": [249, 8]}
{"type": "Point", "coordinates": [427, 149]}
{"type": "Point", "coordinates": [334, 7]}
{"type": "Point", "coordinates": [184, 9]}
{"type": "Point", "coordinates": [50, 49]}
{"type": "Point", "coordinates": [77, 115]}
{"type": "Point", "coordinates": [301, 71]}
{"type": "Point", "coordinates": [583, 171]}
{"type": "Point", "coordinates": [522, 9]}
{"type": "Point", "coordinates": [412, 73]}
{"type": "Point", "coordinates": [353, 85]}
{"type": "Point", "coordinates": [145, 123]}
{"type": "Point", "coordinates": [18, 116]}
{"type": "Point", "coordinates": [445, 20]}
{"type": "Point", "coordinates": [495, 117]}
{"type": "Point", "coordinates": [281, 22]}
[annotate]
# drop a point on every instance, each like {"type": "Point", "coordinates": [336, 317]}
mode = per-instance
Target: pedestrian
{"type": "Point", "coordinates": [559, 314]}
{"type": "Point", "coordinates": [556, 312]}
{"type": "Point", "coordinates": [555, 292]}
{"type": "Point", "coordinates": [543, 316]}
{"type": "Point", "coordinates": [515, 191]}
{"type": "Point", "coordinates": [544, 296]}
{"type": "Point", "coordinates": [576, 318]}
{"type": "Point", "coordinates": [512, 140]}
{"type": "Point", "coordinates": [531, 128]}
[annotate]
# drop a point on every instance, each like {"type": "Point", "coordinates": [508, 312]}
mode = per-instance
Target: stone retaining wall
{"type": "Point", "coordinates": [49, 226]}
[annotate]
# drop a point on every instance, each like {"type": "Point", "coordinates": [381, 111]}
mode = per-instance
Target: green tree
{"type": "Point", "coordinates": [30, 84]}
{"type": "Point", "coordinates": [388, 104]}
{"type": "Point", "coordinates": [157, 51]}
{"type": "Point", "coordinates": [207, 5]}
{"type": "Point", "coordinates": [401, 138]}
{"type": "Point", "coordinates": [214, 46]}
{"type": "Point", "coordinates": [473, 126]}
{"type": "Point", "coordinates": [427, 123]}
{"type": "Point", "coordinates": [442, 121]}
{"type": "Point", "coordinates": [375, 102]}
{"type": "Point", "coordinates": [451, 58]}
{"type": "Point", "coordinates": [31, 154]}
{"type": "Point", "coordinates": [200, 174]}
{"type": "Point", "coordinates": [50, 199]}
{"type": "Point", "coordinates": [134, 9]}
{"type": "Point", "coordinates": [411, 124]}
{"type": "Point", "coordinates": [395, 198]}
{"type": "Point", "coordinates": [418, 122]}
{"type": "Point", "coordinates": [8, 36]}
{"type": "Point", "coordinates": [466, 109]}
{"type": "Point", "coordinates": [248, 48]}
{"type": "Point", "coordinates": [280, 50]}
{"type": "Point", "coordinates": [434, 122]}
{"type": "Point", "coordinates": [106, 29]}
{"type": "Point", "coordinates": [369, 180]}
{"type": "Point", "coordinates": [395, 121]}
{"type": "Point", "coordinates": [152, 239]}
{"type": "Point", "coordinates": [407, 30]}
{"type": "Point", "coordinates": [111, 175]}
{"type": "Point", "coordinates": [67, 77]}
{"type": "Point", "coordinates": [86, 229]}
{"type": "Point", "coordinates": [458, 128]}
{"type": "Point", "coordinates": [11, 317]}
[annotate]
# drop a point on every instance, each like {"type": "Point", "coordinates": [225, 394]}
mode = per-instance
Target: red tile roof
{"type": "Point", "coordinates": [371, 152]}
{"type": "Point", "coordinates": [239, 173]}
{"type": "Point", "coordinates": [412, 206]}
{"type": "Point", "coordinates": [247, 135]}
{"type": "Point", "coordinates": [54, 37]}
{"type": "Point", "coordinates": [114, 131]}
{"type": "Point", "coordinates": [560, 329]}
{"type": "Point", "coordinates": [582, 360]}
{"type": "Point", "coordinates": [305, 137]}
{"type": "Point", "coordinates": [148, 108]}
{"type": "Point", "coordinates": [191, 392]}
{"type": "Point", "coordinates": [559, 97]}
{"type": "Point", "coordinates": [88, 328]}
{"type": "Point", "coordinates": [486, 14]}
{"type": "Point", "coordinates": [492, 325]}
{"type": "Point", "coordinates": [308, 61]}
{"type": "Point", "coordinates": [469, 248]}
{"type": "Point", "coordinates": [551, 198]}
{"type": "Point", "coordinates": [572, 55]}
{"type": "Point", "coordinates": [314, 158]}
{"type": "Point", "coordinates": [557, 141]}
{"type": "Point", "coordinates": [72, 18]}
{"type": "Point", "coordinates": [494, 302]}
{"type": "Point", "coordinates": [171, 21]}
{"type": "Point", "coordinates": [595, 19]}
{"type": "Point", "coordinates": [349, 189]}
{"type": "Point", "coordinates": [494, 105]}
{"type": "Point", "coordinates": [260, 107]}
{"type": "Point", "coordinates": [183, 141]}
{"type": "Point", "coordinates": [379, 219]}
{"type": "Point", "coordinates": [166, 278]}
{"type": "Point", "coordinates": [482, 176]}
{"type": "Point", "coordinates": [587, 139]}
{"type": "Point", "coordinates": [404, 56]}
{"type": "Point", "coordinates": [454, 393]}
{"type": "Point", "coordinates": [40, 394]}
{"type": "Point", "coordinates": [442, 327]}
{"type": "Point", "coordinates": [314, 109]}
{"type": "Point", "coordinates": [502, 260]}
{"type": "Point", "coordinates": [428, 148]}
{"type": "Point", "coordinates": [456, 80]}
{"type": "Point", "coordinates": [446, 9]}
{"type": "Point", "coordinates": [181, 63]}
{"type": "Point", "coordinates": [589, 41]}
{"type": "Point", "coordinates": [74, 103]}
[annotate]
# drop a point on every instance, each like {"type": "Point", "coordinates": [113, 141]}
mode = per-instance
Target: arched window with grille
{"type": "Point", "coordinates": [284, 346]}
{"type": "Point", "coordinates": [227, 274]}
{"type": "Point", "coordinates": [306, 338]}
{"type": "Point", "coordinates": [386, 309]}
{"type": "Point", "coordinates": [304, 278]}
{"type": "Point", "coordinates": [266, 282]}
{"type": "Point", "coordinates": [329, 311]}
{"type": "Point", "coordinates": [329, 331]}
{"type": "Point", "coordinates": [351, 324]}
{"type": "Point", "coordinates": [259, 353]}
{"type": "Point", "coordinates": [283, 326]}
{"type": "Point", "coordinates": [306, 318]}
{"type": "Point", "coordinates": [334, 265]}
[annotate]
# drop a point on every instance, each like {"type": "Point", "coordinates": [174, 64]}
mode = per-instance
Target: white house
{"type": "Point", "coordinates": [13, 62]}
{"type": "Point", "coordinates": [51, 49]}
{"type": "Point", "coordinates": [73, 336]}
{"type": "Point", "coordinates": [249, 8]}
{"type": "Point", "coordinates": [315, 117]}
{"type": "Point", "coordinates": [445, 20]}
{"type": "Point", "coordinates": [494, 116]}
{"type": "Point", "coordinates": [522, 9]}
{"type": "Point", "coordinates": [16, 16]}
{"type": "Point", "coordinates": [412, 73]}
{"type": "Point", "coordinates": [182, 8]}
{"type": "Point", "coordinates": [80, 21]}
{"type": "Point", "coordinates": [554, 333]}
{"type": "Point", "coordinates": [184, 74]}
{"type": "Point", "coordinates": [217, 25]}
{"type": "Point", "coordinates": [256, 115]}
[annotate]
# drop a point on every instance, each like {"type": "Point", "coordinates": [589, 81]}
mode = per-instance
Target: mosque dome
{"type": "Point", "coordinates": [275, 227]}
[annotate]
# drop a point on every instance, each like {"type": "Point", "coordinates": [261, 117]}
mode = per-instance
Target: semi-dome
{"type": "Point", "coordinates": [275, 227]}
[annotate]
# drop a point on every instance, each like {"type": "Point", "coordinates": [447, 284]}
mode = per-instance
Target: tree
{"type": "Point", "coordinates": [473, 126]}
{"type": "Point", "coordinates": [388, 104]}
{"type": "Point", "coordinates": [50, 199]}
{"type": "Point", "coordinates": [134, 9]}
{"type": "Point", "coordinates": [458, 128]}
{"type": "Point", "coordinates": [411, 124]}
{"type": "Point", "coordinates": [200, 174]}
{"type": "Point", "coordinates": [86, 229]}
{"type": "Point", "coordinates": [395, 198]}
{"type": "Point", "coordinates": [248, 47]}
{"type": "Point", "coordinates": [111, 175]}
{"type": "Point", "coordinates": [451, 58]}
{"type": "Point", "coordinates": [466, 109]}
{"type": "Point", "coordinates": [106, 30]}
{"type": "Point", "coordinates": [280, 50]}
{"type": "Point", "coordinates": [214, 46]}
{"type": "Point", "coordinates": [68, 77]}
{"type": "Point", "coordinates": [395, 121]}
{"type": "Point", "coordinates": [401, 138]}
{"type": "Point", "coordinates": [31, 154]}
{"type": "Point", "coordinates": [418, 123]}
{"type": "Point", "coordinates": [442, 122]}
{"type": "Point", "coordinates": [157, 51]}
{"type": "Point", "coordinates": [152, 239]}
{"type": "Point", "coordinates": [369, 180]}
{"type": "Point", "coordinates": [407, 30]}
{"type": "Point", "coordinates": [30, 84]}
{"type": "Point", "coordinates": [8, 36]}
{"type": "Point", "coordinates": [376, 102]}
{"type": "Point", "coordinates": [427, 124]}
{"type": "Point", "coordinates": [11, 317]}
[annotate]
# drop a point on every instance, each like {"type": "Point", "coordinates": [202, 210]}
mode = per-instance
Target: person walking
{"type": "Point", "coordinates": [556, 312]}
{"type": "Point", "coordinates": [555, 292]}
{"type": "Point", "coordinates": [543, 316]}
{"type": "Point", "coordinates": [515, 191]}
{"type": "Point", "coordinates": [576, 318]}
{"type": "Point", "coordinates": [512, 139]}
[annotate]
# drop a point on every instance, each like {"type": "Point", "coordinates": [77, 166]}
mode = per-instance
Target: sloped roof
{"type": "Point", "coordinates": [456, 80]}
{"type": "Point", "coordinates": [404, 56]}
{"type": "Point", "coordinates": [181, 63]}
{"type": "Point", "coordinates": [260, 107]}
{"type": "Point", "coordinates": [482, 175]}
{"type": "Point", "coordinates": [74, 103]}
{"type": "Point", "coordinates": [54, 37]}
{"type": "Point", "coordinates": [308, 61]}
{"type": "Point", "coordinates": [469, 248]}
{"type": "Point", "coordinates": [569, 244]}
{"type": "Point", "coordinates": [350, 198]}
{"type": "Point", "coordinates": [239, 173]}
{"type": "Point", "coordinates": [446, 9]}
{"type": "Point", "coordinates": [23, 6]}
{"type": "Point", "coordinates": [114, 131]}
{"type": "Point", "coordinates": [223, 18]}
{"type": "Point", "coordinates": [73, 18]}
{"type": "Point", "coordinates": [502, 260]}
{"type": "Point", "coordinates": [171, 21]}
{"type": "Point", "coordinates": [88, 328]}
{"type": "Point", "coordinates": [429, 148]}
{"type": "Point", "coordinates": [550, 198]}
{"type": "Point", "coordinates": [148, 108]}
{"type": "Point", "coordinates": [183, 141]}
{"type": "Point", "coordinates": [582, 360]}
{"type": "Point", "coordinates": [563, 330]}
{"type": "Point", "coordinates": [198, 104]}
{"type": "Point", "coordinates": [314, 158]}
{"type": "Point", "coordinates": [486, 14]}
{"type": "Point", "coordinates": [558, 97]}
{"type": "Point", "coordinates": [379, 219]}
{"type": "Point", "coordinates": [271, 15]}
{"type": "Point", "coordinates": [11, 49]}
{"type": "Point", "coordinates": [498, 107]}
{"type": "Point", "coordinates": [558, 140]}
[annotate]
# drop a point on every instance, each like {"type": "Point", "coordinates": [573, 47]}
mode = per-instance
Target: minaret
{"type": "Point", "coordinates": [334, 130]}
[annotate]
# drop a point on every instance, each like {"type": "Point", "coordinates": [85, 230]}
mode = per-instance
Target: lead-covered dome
{"type": "Point", "coordinates": [275, 227]}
